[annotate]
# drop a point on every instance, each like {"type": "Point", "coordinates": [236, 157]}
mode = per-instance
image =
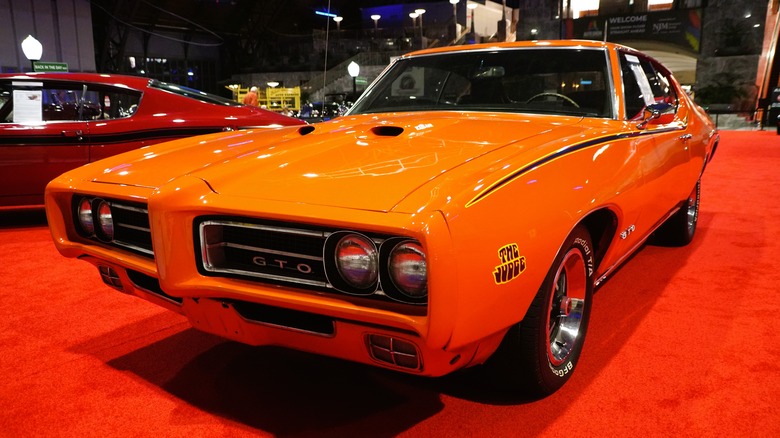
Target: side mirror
{"type": "Point", "coordinates": [658, 113]}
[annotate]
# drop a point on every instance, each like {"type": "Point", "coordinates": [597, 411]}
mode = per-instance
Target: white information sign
{"type": "Point", "coordinates": [28, 106]}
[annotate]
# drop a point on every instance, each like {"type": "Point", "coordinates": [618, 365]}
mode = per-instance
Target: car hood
{"type": "Point", "coordinates": [365, 162]}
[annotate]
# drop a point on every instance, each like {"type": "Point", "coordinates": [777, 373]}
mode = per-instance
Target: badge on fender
{"type": "Point", "coordinates": [512, 264]}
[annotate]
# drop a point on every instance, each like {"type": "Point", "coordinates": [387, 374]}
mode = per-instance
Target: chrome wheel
{"type": "Point", "coordinates": [566, 307]}
{"type": "Point", "coordinates": [692, 213]}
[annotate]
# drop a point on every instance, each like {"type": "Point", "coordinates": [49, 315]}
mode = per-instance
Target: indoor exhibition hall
{"type": "Point", "coordinates": [389, 218]}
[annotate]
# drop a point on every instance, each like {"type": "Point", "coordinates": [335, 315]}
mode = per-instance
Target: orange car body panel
{"type": "Point", "coordinates": [464, 184]}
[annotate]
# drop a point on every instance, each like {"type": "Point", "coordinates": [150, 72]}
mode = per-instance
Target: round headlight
{"type": "Point", "coordinates": [85, 217]}
{"type": "Point", "coordinates": [408, 269]}
{"type": "Point", "coordinates": [105, 221]}
{"type": "Point", "coordinates": [357, 260]}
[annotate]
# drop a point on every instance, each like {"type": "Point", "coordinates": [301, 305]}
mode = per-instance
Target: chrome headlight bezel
{"type": "Point", "coordinates": [407, 270]}
{"type": "Point", "coordinates": [84, 217]}
{"type": "Point", "coordinates": [105, 220]}
{"type": "Point", "coordinates": [356, 260]}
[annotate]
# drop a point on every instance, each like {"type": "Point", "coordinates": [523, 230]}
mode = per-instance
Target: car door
{"type": "Point", "coordinates": [41, 136]}
{"type": "Point", "coordinates": [665, 157]}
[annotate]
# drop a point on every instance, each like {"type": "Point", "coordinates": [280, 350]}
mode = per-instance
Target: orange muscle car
{"type": "Point", "coordinates": [463, 210]}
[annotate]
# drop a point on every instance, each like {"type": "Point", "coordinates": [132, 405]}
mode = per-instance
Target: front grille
{"type": "Point", "coordinates": [289, 254]}
{"type": "Point", "coordinates": [263, 251]}
{"type": "Point", "coordinates": [131, 228]}
{"type": "Point", "coordinates": [131, 225]}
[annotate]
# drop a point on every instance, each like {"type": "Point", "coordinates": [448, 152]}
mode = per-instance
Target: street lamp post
{"type": "Point", "coordinates": [420, 13]}
{"type": "Point", "coordinates": [472, 7]}
{"type": "Point", "coordinates": [354, 70]}
{"type": "Point", "coordinates": [33, 49]}
{"type": "Point", "coordinates": [338, 23]}
{"type": "Point", "coordinates": [454, 4]}
{"type": "Point", "coordinates": [413, 16]}
{"type": "Point", "coordinates": [376, 18]}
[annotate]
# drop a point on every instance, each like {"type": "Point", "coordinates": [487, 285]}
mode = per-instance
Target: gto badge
{"type": "Point", "coordinates": [512, 264]}
{"type": "Point", "coordinates": [303, 268]}
{"type": "Point", "coordinates": [624, 235]}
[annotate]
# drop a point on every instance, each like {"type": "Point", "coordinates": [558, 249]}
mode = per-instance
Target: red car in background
{"type": "Point", "coordinates": [53, 122]}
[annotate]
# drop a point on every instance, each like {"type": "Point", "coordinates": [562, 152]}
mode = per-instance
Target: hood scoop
{"type": "Point", "coordinates": [304, 130]}
{"type": "Point", "coordinates": [387, 131]}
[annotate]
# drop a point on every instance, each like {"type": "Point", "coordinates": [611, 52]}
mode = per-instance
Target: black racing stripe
{"type": "Point", "coordinates": [565, 151]}
{"type": "Point", "coordinates": [155, 135]}
{"type": "Point", "coordinates": [41, 140]}
{"type": "Point", "coordinates": [152, 135]}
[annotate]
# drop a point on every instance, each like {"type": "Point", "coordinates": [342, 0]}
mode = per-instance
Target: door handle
{"type": "Point", "coordinates": [79, 134]}
{"type": "Point", "coordinates": [685, 137]}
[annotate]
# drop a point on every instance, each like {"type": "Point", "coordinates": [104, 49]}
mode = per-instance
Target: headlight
{"type": "Point", "coordinates": [357, 260]}
{"type": "Point", "coordinates": [105, 221]}
{"type": "Point", "coordinates": [408, 269]}
{"type": "Point", "coordinates": [85, 217]}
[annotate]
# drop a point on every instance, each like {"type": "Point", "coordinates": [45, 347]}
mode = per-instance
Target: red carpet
{"type": "Point", "coordinates": [682, 342]}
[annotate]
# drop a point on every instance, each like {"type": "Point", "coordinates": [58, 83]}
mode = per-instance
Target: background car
{"type": "Point", "coordinates": [53, 122]}
{"type": "Point", "coordinates": [461, 213]}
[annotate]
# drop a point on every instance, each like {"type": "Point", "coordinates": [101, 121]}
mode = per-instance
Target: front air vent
{"type": "Point", "coordinates": [394, 351]}
{"type": "Point", "coordinates": [151, 285]}
{"type": "Point", "coordinates": [387, 131]}
{"type": "Point", "coordinates": [308, 129]}
{"type": "Point", "coordinates": [285, 318]}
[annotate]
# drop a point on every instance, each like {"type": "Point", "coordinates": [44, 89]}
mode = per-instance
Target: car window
{"type": "Point", "coordinates": [115, 102]}
{"type": "Point", "coordinates": [548, 81]}
{"type": "Point", "coordinates": [644, 83]}
{"type": "Point", "coordinates": [66, 101]}
{"type": "Point", "coordinates": [193, 93]}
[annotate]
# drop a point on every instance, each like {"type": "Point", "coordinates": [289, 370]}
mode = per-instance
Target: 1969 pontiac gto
{"type": "Point", "coordinates": [463, 210]}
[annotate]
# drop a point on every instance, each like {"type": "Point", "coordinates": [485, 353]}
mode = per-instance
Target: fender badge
{"type": "Point", "coordinates": [512, 264]}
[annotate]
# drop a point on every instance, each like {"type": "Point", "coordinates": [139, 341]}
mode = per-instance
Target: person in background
{"type": "Point", "coordinates": [251, 97]}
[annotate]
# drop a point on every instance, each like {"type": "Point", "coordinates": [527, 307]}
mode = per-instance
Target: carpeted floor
{"type": "Point", "coordinates": [683, 342]}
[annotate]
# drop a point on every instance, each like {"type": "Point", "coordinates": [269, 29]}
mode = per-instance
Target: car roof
{"type": "Point", "coordinates": [134, 82]}
{"type": "Point", "coordinates": [573, 44]}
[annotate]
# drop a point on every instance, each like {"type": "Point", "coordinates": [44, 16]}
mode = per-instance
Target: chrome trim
{"type": "Point", "coordinates": [269, 276]}
{"type": "Point", "coordinates": [133, 227]}
{"type": "Point", "coordinates": [295, 231]}
{"type": "Point", "coordinates": [270, 251]}
{"type": "Point", "coordinates": [133, 247]}
{"type": "Point", "coordinates": [128, 207]}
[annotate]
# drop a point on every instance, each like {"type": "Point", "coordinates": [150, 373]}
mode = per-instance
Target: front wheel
{"type": "Point", "coordinates": [540, 353]}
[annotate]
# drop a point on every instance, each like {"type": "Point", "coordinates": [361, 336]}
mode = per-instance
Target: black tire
{"type": "Point", "coordinates": [537, 356]}
{"type": "Point", "coordinates": [679, 229]}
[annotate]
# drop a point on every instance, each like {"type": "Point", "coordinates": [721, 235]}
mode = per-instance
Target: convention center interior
{"type": "Point", "coordinates": [389, 218]}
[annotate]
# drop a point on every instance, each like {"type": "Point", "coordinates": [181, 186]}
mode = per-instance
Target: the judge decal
{"type": "Point", "coordinates": [512, 264]}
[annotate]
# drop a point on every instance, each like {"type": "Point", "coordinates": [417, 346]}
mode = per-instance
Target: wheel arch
{"type": "Point", "coordinates": [602, 226]}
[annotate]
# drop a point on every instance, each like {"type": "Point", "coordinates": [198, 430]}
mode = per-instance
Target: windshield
{"type": "Point", "coordinates": [536, 80]}
{"type": "Point", "coordinates": [192, 93]}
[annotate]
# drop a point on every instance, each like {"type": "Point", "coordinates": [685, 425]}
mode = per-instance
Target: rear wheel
{"type": "Point", "coordinates": [540, 353]}
{"type": "Point", "coordinates": [679, 229]}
